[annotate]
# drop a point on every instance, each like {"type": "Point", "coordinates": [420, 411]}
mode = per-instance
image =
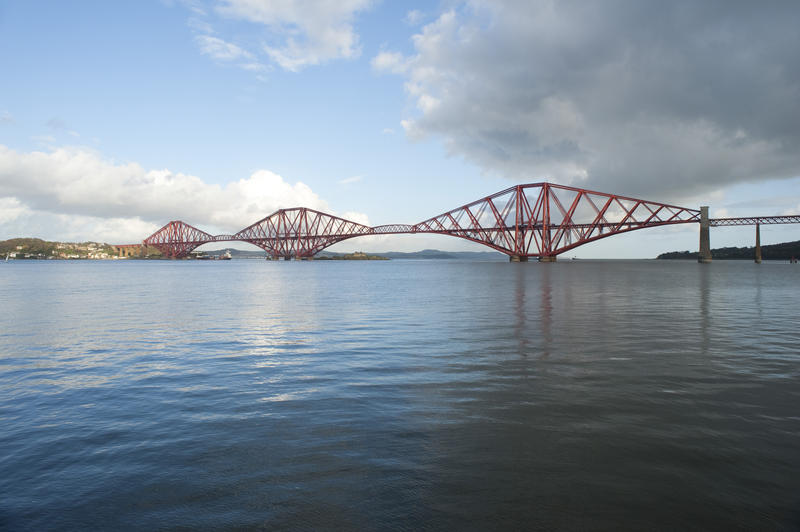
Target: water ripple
{"type": "Point", "coordinates": [399, 395]}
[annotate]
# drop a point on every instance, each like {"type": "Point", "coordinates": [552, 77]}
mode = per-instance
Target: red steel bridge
{"type": "Point", "coordinates": [539, 220]}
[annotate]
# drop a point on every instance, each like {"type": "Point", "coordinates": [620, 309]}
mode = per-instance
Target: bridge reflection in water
{"type": "Point", "coordinates": [539, 220]}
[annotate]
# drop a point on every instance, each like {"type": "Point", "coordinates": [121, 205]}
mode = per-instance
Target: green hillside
{"type": "Point", "coordinates": [783, 251]}
{"type": "Point", "coordinates": [36, 248]}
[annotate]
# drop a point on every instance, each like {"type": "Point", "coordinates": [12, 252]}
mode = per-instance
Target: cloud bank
{"type": "Point", "coordinates": [89, 197]}
{"type": "Point", "coordinates": [662, 99]}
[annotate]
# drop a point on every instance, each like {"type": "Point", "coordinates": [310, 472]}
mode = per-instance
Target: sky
{"type": "Point", "coordinates": [117, 117]}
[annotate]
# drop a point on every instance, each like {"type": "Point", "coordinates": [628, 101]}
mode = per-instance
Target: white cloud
{"type": "Point", "coordinates": [414, 17]}
{"type": "Point", "coordinates": [393, 62]}
{"type": "Point", "coordinates": [99, 199]}
{"type": "Point", "coordinates": [302, 32]}
{"type": "Point", "coordinates": [201, 26]}
{"type": "Point", "coordinates": [6, 118]}
{"type": "Point", "coordinates": [195, 6]}
{"type": "Point", "coordinates": [411, 129]}
{"type": "Point", "coordinates": [658, 99]}
{"type": "Point", "coordinates": [358, 217]}
{"type": "Point", "coordinates": [350, 180]}
{"type": "Point", "coordinates": [221, 50]}
{"type": "Point", "coordinates": [224, 51]}
{"type": "Point", "coordinates": [254, 67]}
{"type": "Point", "coordinates": [11, 209]}
{"type": "Point", "coordinates": [79, 228]}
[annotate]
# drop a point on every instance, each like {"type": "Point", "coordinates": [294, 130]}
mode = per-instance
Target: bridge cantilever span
{"type": "Point", "coordinates": [299, 232]}
{"type": "Point", "coordinates": [543, 219]}
{"type": "Point", "coordinates": [177, 239]}
{"type": "Point", "coordinates": [534, 220]}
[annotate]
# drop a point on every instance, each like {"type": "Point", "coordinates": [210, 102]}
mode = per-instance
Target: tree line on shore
{"type": "Point", "coordinates": [782, 251]}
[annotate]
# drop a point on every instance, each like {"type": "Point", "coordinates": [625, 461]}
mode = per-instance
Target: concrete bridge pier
{"type": "Point", "coordinates": [704, 257]}
{"type": "Point", "coordinates": [758, 244]}
{"type": "Point", "coordinates": [547, 258]}
{"type": "Point", "coordinates": [517, 258]}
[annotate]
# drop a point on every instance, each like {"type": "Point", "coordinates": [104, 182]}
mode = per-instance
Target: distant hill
{"type": "Point", "coordinates": [358, 255]}
{"type": "Point", "coordinates": [237, 253]}
{"type": "Point", "coordinates": [784, 251]}
{"type": "Point", "coordinates": [435, 254]}
{"type": "Point", "coordinates": [426, 254]}
{"type": "Point", "coordinates": [36, 248]}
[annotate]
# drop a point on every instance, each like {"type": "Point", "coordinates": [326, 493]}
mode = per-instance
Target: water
{"type": "Point", "coordinates": [399, 395]}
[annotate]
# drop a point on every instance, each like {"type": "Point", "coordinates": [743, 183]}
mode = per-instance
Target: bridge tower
{"type": "Point", "coordinates": [758, 244]}
{"type": "Point", "coordinates": [704, 256]}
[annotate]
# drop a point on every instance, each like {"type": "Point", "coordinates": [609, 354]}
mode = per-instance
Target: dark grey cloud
{"type": "Point", "coordinates": [663, 99]}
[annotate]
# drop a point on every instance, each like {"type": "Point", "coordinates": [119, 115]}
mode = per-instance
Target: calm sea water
{"type": "Point", "coordinates": [399, 395]}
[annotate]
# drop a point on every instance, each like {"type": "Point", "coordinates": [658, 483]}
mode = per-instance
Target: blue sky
{"type": "Point", "coordinates": [116, 117]}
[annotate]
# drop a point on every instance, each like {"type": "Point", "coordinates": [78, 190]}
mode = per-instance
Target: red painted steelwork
{"type": "Point", "coordinates": [177, 239]}
{"type": "Point", "coordinates": [754, 220]}
{"type": "Point", "coordinates": [535, 220]}
{"type": "Point", "coordinates": [299, 232]}
{"type": "Point", "coordinates": [544, 220]}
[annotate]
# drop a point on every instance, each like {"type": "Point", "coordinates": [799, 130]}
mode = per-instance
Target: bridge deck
{"type": "Point", "coordinates": [754, 220]}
